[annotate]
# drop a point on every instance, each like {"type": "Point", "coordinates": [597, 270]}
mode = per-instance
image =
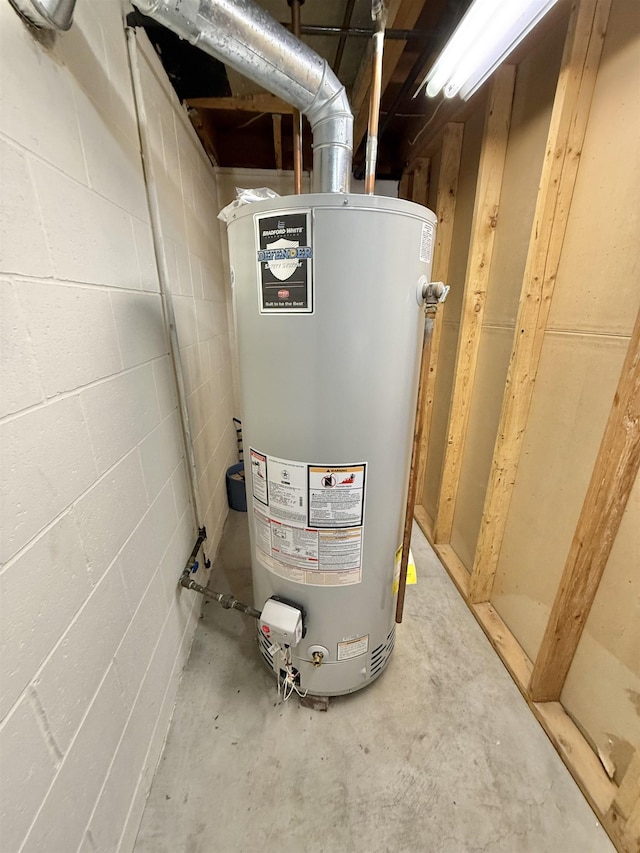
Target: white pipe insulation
{"type": "Point", "coordinates": [163, 272]}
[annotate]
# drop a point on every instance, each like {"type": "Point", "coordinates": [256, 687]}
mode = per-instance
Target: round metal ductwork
{"type": "Point", "coordinates": [46, 14]}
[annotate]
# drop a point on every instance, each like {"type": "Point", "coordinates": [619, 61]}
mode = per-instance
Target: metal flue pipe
{"type": "Point", "coordinates": [47, 14]}
{"type": "Point", "coordinates": [297, 115]}
{"type": "Point", "coordinates": [246, 38]}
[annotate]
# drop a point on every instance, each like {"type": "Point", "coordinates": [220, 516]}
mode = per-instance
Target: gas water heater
{"type": "Point", "coordinates": [327, 298]}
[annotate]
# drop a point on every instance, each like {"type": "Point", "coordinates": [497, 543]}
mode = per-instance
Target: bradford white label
{"type": "Point", "coordinates": [285, 268]}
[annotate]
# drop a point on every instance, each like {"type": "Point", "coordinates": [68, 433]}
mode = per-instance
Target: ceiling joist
{"type": "Point", "coordinates": [244, 103]}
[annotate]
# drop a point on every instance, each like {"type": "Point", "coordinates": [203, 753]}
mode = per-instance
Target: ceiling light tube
{"type": "Point", "coordinates": [484, 38]}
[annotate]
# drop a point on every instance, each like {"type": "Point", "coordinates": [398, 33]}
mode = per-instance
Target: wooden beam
{"type": "Point", "coordinates": [425, 522]}
{"type": "Point", "coordinates": [277, 139]}
{"type": "Point", "coordinates": [613, 476]}
{"type": "Point", "coordinates": [445, 211]}
{"type": "Point", "coordinates": [576, 82]}
{"type": "Point", "coordinates": [483, 229]}
{"type": "Point", "coordinates": [623, 818]}
{"type": "Point", "coordinates": [405, 189]}
{"type": "Point", "coordinates": [206, 134]}
{"type": "Point", "coordinates": [402, 15]}
{"type": "Point", "coordinates": [582, 762]}
{"type": "Point", "coordinates": [244, 103]}
{"type": "Point", "coordinates": [420, 188]}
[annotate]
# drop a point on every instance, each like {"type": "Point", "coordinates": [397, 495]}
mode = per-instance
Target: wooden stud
{"type": "Point", "coordinates": [626, 800]}
{"type": "Point", "coordinates": [457, 570]}
{"type": "Point", "coordinates": [582, 762]}
{"type": "Point", "coordinates": [206, 133]}
{"type": "Point", "coordinates": [622, 821]}
{"type": "Point", "coordinates": [244, 103]}
{"type": "Point", "coordinates": [613, 476]}
{"type": "Point", "coordinates": [420, 188]}
{"type": "Point", "coordinates": [277, 139]}
{"type": "Point", "coordinates": [483, 228]}
{"type": "Point", "coordinates": [583, 47]}
{"type": "Point", "coordinates": [425, 522]}
{"type": "Point", "coordinates": [445, 211]}
{"type": "Point", "coordinates": [405, 189]}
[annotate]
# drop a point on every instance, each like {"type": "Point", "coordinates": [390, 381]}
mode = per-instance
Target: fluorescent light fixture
{"type": "Point", "coordinates": [486, 35]}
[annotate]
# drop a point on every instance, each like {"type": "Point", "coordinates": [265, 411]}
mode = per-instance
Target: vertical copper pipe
{"type": "Point", "coordinates": [297, 115]}
{"type": "Point", "coordinates": [430, 312]}
{"type": "Point", "coordinates": [374, 104]}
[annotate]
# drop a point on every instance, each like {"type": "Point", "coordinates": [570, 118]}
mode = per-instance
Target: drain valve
{"type": "Point", "coordinates": [317, 654]}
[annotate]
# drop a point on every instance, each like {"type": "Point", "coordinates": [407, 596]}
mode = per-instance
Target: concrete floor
{"type": "Point", "coordinates": [439, 755]}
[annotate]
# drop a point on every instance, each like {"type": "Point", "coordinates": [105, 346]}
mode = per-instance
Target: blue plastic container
{"type": "Point", "coordinates": [236, 490]}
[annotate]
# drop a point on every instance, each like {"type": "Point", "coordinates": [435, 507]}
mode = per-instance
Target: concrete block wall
{"type": "Point", "coordinates": [96, 518]}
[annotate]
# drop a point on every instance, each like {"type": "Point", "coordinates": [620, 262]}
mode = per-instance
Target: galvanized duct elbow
{"type": "Point", "coordinates": [47, 14]}
{"type": "Point", "coordinates": [248, 39]}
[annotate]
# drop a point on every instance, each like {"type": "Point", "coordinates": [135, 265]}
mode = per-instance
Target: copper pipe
{"type": "Point", "coordinates": [297, 115]}
{"type": "Point", "coordinates": [374, 103]}
{"type": "Point", "coordinates": [430, 309]}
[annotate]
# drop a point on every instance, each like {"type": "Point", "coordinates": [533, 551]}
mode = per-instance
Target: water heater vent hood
{"type": "Point", "coordinates": [245, 37]}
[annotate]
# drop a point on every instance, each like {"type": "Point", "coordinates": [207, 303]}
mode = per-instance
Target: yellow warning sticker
{"type": "Point", "coordinates": [411, 570]}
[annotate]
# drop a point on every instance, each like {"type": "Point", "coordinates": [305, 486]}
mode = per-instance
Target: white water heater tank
{"type": "Point", "coordinates": [329, 333]}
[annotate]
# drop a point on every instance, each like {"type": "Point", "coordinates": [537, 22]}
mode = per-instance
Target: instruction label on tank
{"type": "Point", "coordinates": [259, 477]}
{"type": "Point", "coordinates": [287, 540]}
{"type": "Point", "coordinates": [353, 648]}
{"type": "Point", "coordinates": [426, 242]}
{"type": "Point", "coordinates": [285, 262]}
{"type": "Point", "coordinates": [336, 495]}
{"type": "Point", "coordinates": [287, 482]}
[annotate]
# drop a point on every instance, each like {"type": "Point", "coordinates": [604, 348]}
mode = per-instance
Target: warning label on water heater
{"type": "Point", "coordinates": [308, 519]}
{"type": "Point", "coordinates": [336, 495]}
{"type": "Point", "coordinates": [285, 268]}
{"type": "Point", "coordinates": [426, 242]}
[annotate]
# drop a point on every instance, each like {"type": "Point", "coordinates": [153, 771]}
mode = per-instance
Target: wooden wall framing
{"type": "Point", "coordinates": [616, 467]}
{"type": "Point", "coordinates": [483, 229]}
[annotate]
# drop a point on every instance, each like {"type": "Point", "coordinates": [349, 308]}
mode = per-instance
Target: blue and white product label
{"type": "Point", "coordinates": [285, 263]}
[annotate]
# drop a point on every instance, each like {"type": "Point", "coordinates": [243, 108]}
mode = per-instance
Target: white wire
{"type": "Point", "coordinates": [286, 685]}
{"type": "Point", "coordinates": [413, 141]}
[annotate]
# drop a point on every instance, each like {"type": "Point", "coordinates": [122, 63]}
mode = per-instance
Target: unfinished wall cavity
{"type": "Point", "coordinates": [532, 101]}
{"type": "Point", "coordinates": [470, 158]}
{"type": "Point", "coordinates": [96, 520]}
{"type": "Point", "coordinates": [554, 359]}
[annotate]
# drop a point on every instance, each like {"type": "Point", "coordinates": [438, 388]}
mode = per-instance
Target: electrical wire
{"type": "Point", "coordinates": [287, 685]}
{"type": "Point", "coordinates": [413, 141]}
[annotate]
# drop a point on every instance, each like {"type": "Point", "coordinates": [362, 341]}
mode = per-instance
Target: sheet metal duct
{"type": "Point", "coordinates": [47, 14]}
{"type": "Point", "coordinates": [249, 40]}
